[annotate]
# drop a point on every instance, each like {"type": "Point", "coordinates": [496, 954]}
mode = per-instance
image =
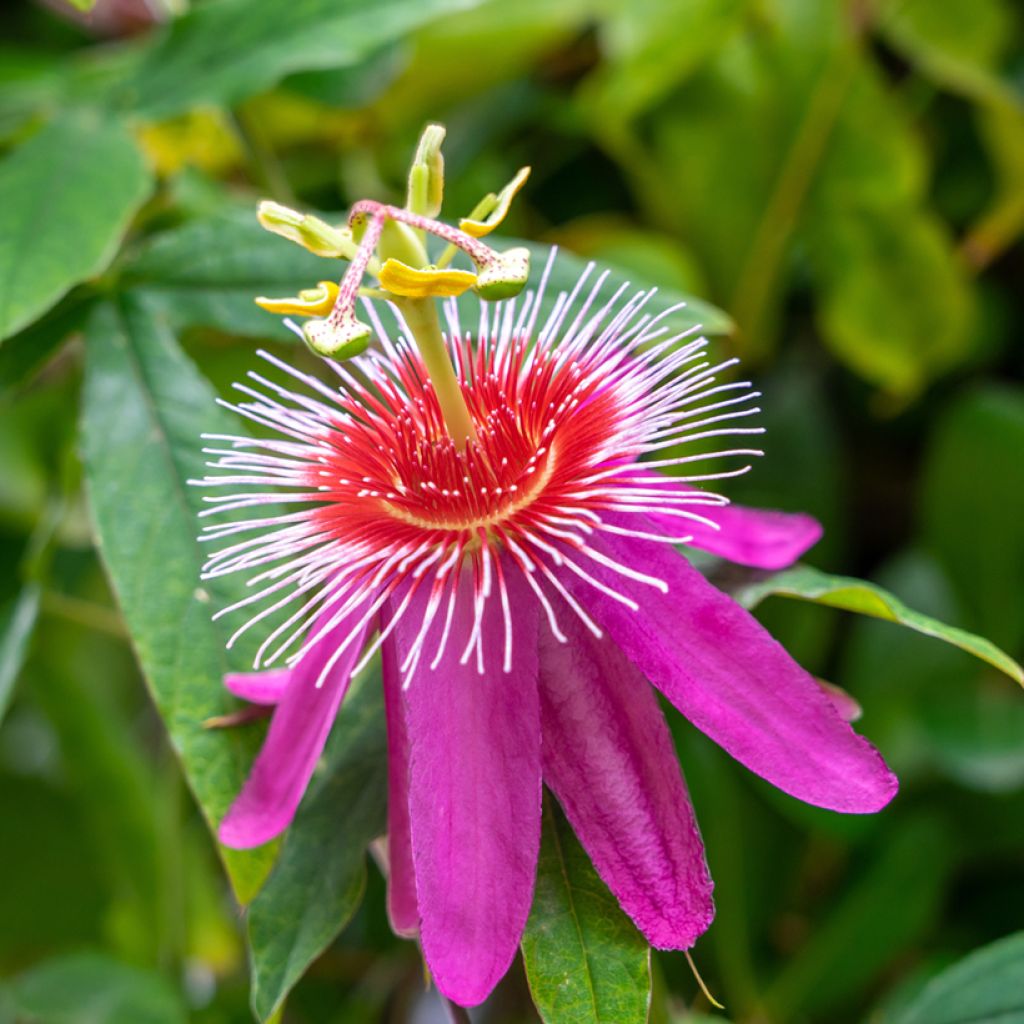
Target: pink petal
{"type": "Point", "coordinates": [724, 672]}
{"type": "Point", "coordinates": [402, 909]}
{"type": "Point", "coordinates": [294, 743]}
{"type": "Point", "coordinates": [761, 538]}
{"type": "Point", "coordinates": [474, 791]}
{"type": "Point", "coordinates": [609, 759]}
{"type": "Point", "coordinates": [848, 708]}
{"type": "Point", "coordinates": [258, 687]}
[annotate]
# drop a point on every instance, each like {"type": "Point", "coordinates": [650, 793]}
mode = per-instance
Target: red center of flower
{"type": "Point", "coordinates": [390, 468]}
{"type": "Point", "coordinates": [366, 501]}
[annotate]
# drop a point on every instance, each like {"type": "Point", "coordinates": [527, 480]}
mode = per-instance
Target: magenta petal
{"type": "Point", "coordinates": [848, 708]}
{"type": "Point", "coordinates": [294, 743]}
{"type": "Point", "coordinates": [403, 911]}
{"type": "Point", "coordinates": [609, 759]}
{"type": "Point", "coordinates": [258, 687]}
{"type": "Point", "coordinates": [761, 538]}
{"type": "Point", "coordinates": [725, 673]}
{"type": "Point", "coordinates": [474, 791]}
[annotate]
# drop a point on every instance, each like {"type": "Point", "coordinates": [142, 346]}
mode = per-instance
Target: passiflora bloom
{"type": "Point", "coordinates": [525, 591]}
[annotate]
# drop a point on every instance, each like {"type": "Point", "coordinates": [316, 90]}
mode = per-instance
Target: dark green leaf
{"type": "Point", "coordinates": [973, 505]}
{"type": "Point", "coordinates": [932, 708]}
{"type": "Point", "coordinates": [49, 900]}
{"type": "Point", "coordinates": [16, 627]}
{"type": "Point", "coordinates": [112, 782]}
{"type": "Point", "coordinates": [89, 988]}
{"type": "Point", "coordinates": [26, 352]}
{"type": "Point", "coordinates": [585, 961]}
{"type": "Point", "coordinates": [986, 987]}
{"type": "Point", "coordinates": [69, 194]}
{"type": "Point", "coordinates": [144, 408]}
{"type": "Point", "coordinates": [355, 86]}
{"type": "Point", "coordinates": [208, 272]}
{"type": "Point", "coordinates": [865, 598]}
{"type": "Point", "coordinates": [222, 52]}
{"type": "Point", "coordinates": [878, 918]}
{"type": "Point", "coordinates": [318, 880]}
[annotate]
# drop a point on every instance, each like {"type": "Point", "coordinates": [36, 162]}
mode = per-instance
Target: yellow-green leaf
{"type": "Point", "coordinates": [865, 598]}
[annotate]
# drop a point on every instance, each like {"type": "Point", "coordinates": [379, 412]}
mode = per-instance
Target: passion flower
{"type": "Point", "coordinates": [487, 509]}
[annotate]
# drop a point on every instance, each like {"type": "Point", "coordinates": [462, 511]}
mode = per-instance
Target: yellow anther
{"type": "Point", "coordinates": [401, 279]}
{"type": "Point", "coordinates": [491, 210]}
{"type": "Point", "coordinates": [318, 301]}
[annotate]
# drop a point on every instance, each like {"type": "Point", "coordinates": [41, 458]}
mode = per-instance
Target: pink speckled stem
{"type": "Point", "coordinates": [482, 255]}
{"type": "Point", "coordinates": [348, 290]}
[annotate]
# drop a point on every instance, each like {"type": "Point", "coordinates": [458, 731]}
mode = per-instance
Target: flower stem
{"type": "Point", "coordinates": [425, 326]}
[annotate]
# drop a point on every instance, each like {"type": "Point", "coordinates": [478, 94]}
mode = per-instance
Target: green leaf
{"type": "Point", "coordinates": [318, 880]}
{"type": "Point", "coordinates": [986, 987]}
{"type": "Point", "coordinates": [933, 710]}
{"type": "Point", "coordinates": [651, 47]}
{"type": "Point", "coordinates": [692, 155]}
{"type": "Point", "coordinates": [874, 156]}
{"type": "Point", "coordinates": [90, 988]}
{"type": "Point", "coordinates": [69, 195]}
{"type": "Point", "coordinates": [1001, 125]}
{"type": "Point", "coordinates": [49, 900]}
{"type": "Point", "coordinates": [895, 305]}
{"type": "Point", "coordinates": [222, 52]}
{"type": "Point", "coordinates": [16, 628]}
{"type": "Point", "coordinates": [865, 598]}
{"type": "Point", "coordinates": [471, 56]}
{"type": "Point", "coordinates": [25, 353]}
{"type": "Point", "coordinates": [972, 506]}
{"type": "Point", "coordinates": [962, 45]}
{"type": "Point", "coordinates": [113, 784]}
{"type": "Point", "coordinates": [958, 43]}
{"type": "Point", "coordinates": [144, 408]}
{"type": "Point", "coordinates": [585, 961]}
{"type": "Point", "coordinates": [208, 272]}
{"type": "Point", "coordinates": [879, 917]}
{"type": "Point", "coordinates": [772, 96]}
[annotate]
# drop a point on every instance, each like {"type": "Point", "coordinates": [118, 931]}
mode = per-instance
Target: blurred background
{"type": "Point", "coordinates": [844, 179]}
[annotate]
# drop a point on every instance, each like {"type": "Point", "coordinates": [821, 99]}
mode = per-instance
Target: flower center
{"type": "Point", "coordinates": [542, 426]}
{"type": "Point", "coordinates": [475, 505]}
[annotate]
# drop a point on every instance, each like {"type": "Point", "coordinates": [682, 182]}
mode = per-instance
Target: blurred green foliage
{"type": "Point", "coordinates": [844, 178]}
